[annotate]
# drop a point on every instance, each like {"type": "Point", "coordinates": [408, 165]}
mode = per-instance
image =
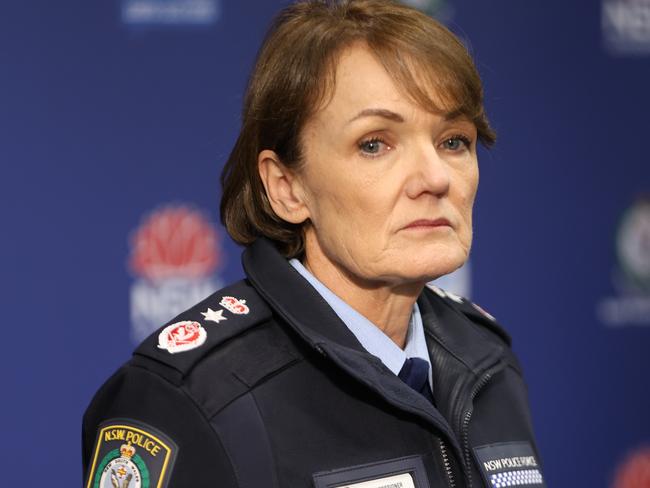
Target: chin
{"type": "Point", "coordinates": [429, 264]}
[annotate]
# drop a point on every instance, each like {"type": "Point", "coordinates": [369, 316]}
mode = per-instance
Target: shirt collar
{"type": "Point", "coordinates": [368, 334]}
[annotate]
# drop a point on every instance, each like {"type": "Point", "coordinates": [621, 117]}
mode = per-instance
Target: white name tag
{"type": "Point", "coordinates": [397, 481]}
{"type": "Point", "coordinates": [378, 474]}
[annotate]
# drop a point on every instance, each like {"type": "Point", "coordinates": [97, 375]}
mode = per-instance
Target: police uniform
{"type": "Point", "coordinates": [262, 385]}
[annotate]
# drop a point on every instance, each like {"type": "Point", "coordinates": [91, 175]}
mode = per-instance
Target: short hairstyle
{"type": "Point", "coordinates": [295, 73]}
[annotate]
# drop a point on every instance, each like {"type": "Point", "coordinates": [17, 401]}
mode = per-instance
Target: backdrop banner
{"type": "Point", "coordinates": [117, 118]}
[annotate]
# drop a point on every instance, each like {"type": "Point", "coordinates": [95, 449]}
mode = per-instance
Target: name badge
{"type": "Point", "coordinates": [407, 472]}
{"type": "Point", "coordinates": [399, 481]}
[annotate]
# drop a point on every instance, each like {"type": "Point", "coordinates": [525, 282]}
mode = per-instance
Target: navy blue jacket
{"type": "Point", "coordinates": [279, 393]}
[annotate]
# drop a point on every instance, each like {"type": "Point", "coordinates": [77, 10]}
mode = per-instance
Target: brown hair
{"type": "Point", "coordinates": [294, 74]}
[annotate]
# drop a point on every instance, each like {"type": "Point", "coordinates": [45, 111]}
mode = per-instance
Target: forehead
{"type": "Point", "coordinates": [360, 80]}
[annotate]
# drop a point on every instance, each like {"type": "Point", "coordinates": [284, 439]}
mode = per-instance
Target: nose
{"type": "Point", "coordinates": [428, 173]}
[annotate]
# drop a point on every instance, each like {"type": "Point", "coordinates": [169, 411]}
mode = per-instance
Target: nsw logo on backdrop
{"type": "Point", "coordinates": [634, 471]}
{"type": "Point", "coordinates": [439, 9]}
{"type": "Point", "coordinates": [175, 254]}
{"type": "Point", "coordinates": [631, 277]}
{"type": "Point", "coordinates": [626, 26]}
{"type": "Point", "coordinates": [170, 12]}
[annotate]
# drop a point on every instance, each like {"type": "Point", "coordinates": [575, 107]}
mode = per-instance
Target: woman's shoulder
{"type": "Point", "coordinates": [188, 338]}
{"type": "Point", "coordinates": [470, 310]}
{"type": "Point", "coordinates": [220, 348]}
{"type": "Point", "coordinates": [232, 331]}
{"type": "Point", "coordinates": [185, 373]}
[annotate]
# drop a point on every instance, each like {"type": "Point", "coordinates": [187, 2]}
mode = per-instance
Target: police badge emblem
{"type": "Point", "coordinates": [181, 336]}
{"type": "Point", "coordinates": [122, 471]}
{"type": "Point", "coordinates": [129, 454]}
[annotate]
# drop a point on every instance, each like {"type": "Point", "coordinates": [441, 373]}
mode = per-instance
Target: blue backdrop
{"type": "Point", "coordinates": [115, 120]}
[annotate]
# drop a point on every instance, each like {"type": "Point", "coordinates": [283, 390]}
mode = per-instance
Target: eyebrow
{"type": "Point", "coordinates": [378, 112]}
{"type": "Point", "coordinates": [395, 117]}
{"type": "Point", "coordinates": [455, 115]}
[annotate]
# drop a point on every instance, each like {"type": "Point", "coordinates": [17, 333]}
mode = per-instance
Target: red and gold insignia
{"type": "Point", "coordinates": [182, 336]}
{"type": "Point", "coordinates": [234, 305]}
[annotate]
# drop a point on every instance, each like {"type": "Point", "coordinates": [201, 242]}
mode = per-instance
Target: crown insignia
{"type": "Point", "coordinates": [234, 305]}
{"type": "Point", "coordinates": [127, 450]}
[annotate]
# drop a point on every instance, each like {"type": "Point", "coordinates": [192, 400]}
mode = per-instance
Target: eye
{"type": "Point", "coordinates": [456, 143]}
{"type": "Point", "coordinates": [373, 147]}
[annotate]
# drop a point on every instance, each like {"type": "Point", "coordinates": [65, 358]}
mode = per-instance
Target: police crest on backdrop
{"type": "Point", "coordinates": [630, 305]}
{"type": "Point", "coordinates": [175, 252]}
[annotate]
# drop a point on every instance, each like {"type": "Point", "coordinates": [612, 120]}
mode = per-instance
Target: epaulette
{"type": "Point", "coordinates": [472, 311]}
{"type": "Point", "coordinates": [185, 340]}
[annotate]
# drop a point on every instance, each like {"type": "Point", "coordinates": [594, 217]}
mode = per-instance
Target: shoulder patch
{"type": "Point", "coordinates": [472, 311]}
{"type": "Point", "coordinates": [189, 337]}
{"type": "Point", "coordinates": [129, 453]}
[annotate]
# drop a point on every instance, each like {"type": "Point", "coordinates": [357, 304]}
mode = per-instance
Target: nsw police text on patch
{"type": "Point", "coordinates": [151, 446]}
{"type": "Point", "coordinates": [510, 462]}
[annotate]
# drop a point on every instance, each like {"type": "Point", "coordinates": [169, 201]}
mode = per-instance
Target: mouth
{"type": "Point", "coordinates": [426, 224]}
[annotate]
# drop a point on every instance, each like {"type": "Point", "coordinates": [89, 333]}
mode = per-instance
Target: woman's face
{"type": "Point", "coordinates": [388, 186]}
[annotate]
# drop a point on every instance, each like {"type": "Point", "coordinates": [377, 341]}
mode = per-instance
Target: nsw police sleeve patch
{"type": "Point", "coordinates": [130, 454]}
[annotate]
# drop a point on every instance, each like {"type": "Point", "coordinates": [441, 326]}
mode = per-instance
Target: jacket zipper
{"type": "Point", "coordinates": [464, 428]}
{"type": "Point", "coordinates": [447, 463]}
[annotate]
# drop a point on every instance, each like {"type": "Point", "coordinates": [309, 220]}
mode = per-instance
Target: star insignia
{"type": "Point", "coordinates": [214, 316]}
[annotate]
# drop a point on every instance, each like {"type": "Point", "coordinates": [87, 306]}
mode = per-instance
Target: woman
{"type": "Point", "coordinates": [333, 364]}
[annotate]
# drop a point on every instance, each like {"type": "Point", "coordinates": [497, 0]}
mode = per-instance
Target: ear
{"type": "Point", "coordinates": [283, 188]}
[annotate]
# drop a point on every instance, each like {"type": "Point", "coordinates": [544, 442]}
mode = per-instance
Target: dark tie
{"type": "Point", "coordinates": [415, 373]}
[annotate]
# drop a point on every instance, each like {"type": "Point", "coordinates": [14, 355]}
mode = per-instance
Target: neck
{"type": "Point", "coordinates": [387, 305]}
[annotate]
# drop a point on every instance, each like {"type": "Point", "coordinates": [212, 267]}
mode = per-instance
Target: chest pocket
{"type": "Point", "coordinates": [509, 464]}
{"type": "Point", "coordinates": [406, 472]}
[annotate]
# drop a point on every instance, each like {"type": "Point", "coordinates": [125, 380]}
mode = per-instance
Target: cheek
{"type": "Point", "coordinates": [335, 190]}
{"type": "Point", "coordinates": [470, 185]}
{"type": "Point", "coordinates": [474, 181]}
{"type": "Point", "coordinates": [328, 198]}
{"type": "Point", "coordinates": [466, 185]}
{"type": "Point", "coordinates": [470, 197]}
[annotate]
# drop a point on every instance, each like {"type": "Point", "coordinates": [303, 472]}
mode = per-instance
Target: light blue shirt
{"type": "Point", "coordinates": [368, 334]}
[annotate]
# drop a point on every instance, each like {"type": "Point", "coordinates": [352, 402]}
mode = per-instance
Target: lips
{"type": "Point", "coordinates": [428, 223]}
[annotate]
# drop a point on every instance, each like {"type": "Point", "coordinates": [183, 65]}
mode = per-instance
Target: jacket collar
{"type": "Point", "coordinates": [461, 354]}
{"type": "Point", "coordinates": [281, 285]}
{"type": "Point", "coordinates": [458, 341]}
{"type": "Point", "coordinates": [293, 298]}
{"type": "Point", "coordinates": [446, 325]}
